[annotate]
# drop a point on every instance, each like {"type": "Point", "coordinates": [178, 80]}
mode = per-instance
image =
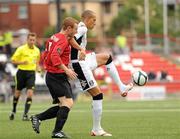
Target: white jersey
{"type": "Point", "coordinates": [81, 38]}
{"type": "Point", "coordinates": [81, 34]}
{"type": "Point", "coordinates": [83, 68]}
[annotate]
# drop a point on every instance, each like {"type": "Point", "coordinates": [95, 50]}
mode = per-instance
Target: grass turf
{"type": "Point", "coordinates": [125, 120]}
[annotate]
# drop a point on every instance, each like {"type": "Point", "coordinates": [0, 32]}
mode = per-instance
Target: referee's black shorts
{"type": "Point", "coordinates": [25, 79]}
{"type": "Point", "coordinates": [58, 85]}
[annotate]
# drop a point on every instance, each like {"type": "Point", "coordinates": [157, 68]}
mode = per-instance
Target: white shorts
{"type": "Point", "coordinates": [84, 69]}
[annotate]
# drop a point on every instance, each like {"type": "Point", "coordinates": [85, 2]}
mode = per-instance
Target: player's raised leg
{"type": "Point", "coordinates": [106, 59]}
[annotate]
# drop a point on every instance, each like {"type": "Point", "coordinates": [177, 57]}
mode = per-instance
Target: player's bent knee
{"type": "Point", "coordinates": [68, 103]}
{"type": "Point", "coordinates": [17, 93]}
{"type": "Point", "coordinates": [29, 93]}
{"type": "Point", "coordinates": [98, 97]}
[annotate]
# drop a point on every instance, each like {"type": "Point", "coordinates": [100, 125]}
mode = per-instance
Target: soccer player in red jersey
{"type": "Point", "coordinates": [56, 63]}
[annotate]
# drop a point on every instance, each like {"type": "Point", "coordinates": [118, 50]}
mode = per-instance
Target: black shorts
{"type": "Point", "coordinates": [25, 79]}
{"type": "Point", "coordinates": [58, 85]}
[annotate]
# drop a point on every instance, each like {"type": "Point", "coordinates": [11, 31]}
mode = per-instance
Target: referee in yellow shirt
{"type": "Point", "coordinates": [26, 57]}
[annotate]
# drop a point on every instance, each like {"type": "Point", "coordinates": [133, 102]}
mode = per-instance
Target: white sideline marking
{"type": "Point", "coordinates": [107, 111]}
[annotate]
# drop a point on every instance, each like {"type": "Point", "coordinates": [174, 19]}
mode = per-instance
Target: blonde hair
{"type": "Point", "coordinates": [87, 14]}
{"type": "Point", "coordinates": [69, 21]}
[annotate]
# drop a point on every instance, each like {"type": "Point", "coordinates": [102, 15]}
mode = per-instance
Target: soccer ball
{"type": "Point", "coordinates": [140, 78]}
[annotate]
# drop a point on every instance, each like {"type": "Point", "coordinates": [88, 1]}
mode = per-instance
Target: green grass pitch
{"type": "Point", "coordinates": [125, 120]}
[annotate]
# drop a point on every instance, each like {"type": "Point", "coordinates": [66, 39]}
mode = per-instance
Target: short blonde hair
{"type": "Point", "coordinates": [87, 14]}
{"type": "Point", "coordinates": [68, 21]}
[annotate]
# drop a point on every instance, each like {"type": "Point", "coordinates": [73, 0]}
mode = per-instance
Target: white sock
{"type": "Point", "coordinates": [97, 112]}
{"type": "Point", "coordinates": [115, 76]}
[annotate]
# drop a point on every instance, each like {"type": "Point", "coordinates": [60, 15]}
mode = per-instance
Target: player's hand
{"type": "Point", "coordinates": [24, 63]}
{"type": "Point", "coordinates": [71, 74]}
{"type": "Point", "coordinates": [82, 54]}
{"type": "Point", "coordinates": [124, 94]}
{"type": "Point", "coordinates": [39, 70]}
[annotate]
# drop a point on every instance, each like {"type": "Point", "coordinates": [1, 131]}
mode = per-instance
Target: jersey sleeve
{"type": "Point", "coordinates": [57, 52]}
{"type": "Point", "coordinates": [80, 32]}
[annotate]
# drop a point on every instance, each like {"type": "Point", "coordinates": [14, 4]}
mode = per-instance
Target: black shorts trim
{"type": "Point", "coordinates": [82, 79]}
{"type": "Point", "coordinates": [74, 51]}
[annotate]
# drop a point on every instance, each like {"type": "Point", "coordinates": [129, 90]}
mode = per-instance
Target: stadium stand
{"type": "Point", "coordinates": [147, 62]}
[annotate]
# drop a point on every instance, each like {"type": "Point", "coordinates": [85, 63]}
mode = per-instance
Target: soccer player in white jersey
{"type": "Point", "coordinates": [86, 81]}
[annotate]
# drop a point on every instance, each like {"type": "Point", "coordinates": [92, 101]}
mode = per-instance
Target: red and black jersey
{"type": "Point", "coordinates": [57, 52]}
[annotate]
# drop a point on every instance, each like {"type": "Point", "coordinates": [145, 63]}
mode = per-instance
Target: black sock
{"type": "Point", "coordinates": [27, 105]}
{"type": "Point", "coordinates": [62, 116]}
{"type": "Point", "coordinates": [49, 113]}
{"type": "Point", "coordinates": [15, 101]}
{"type": "Point", "coordinates": [98, 97]}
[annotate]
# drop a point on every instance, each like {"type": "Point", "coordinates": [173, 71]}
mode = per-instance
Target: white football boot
{"type": "Point", "coordinates": [127, 89]}
{"type": "Point", "coordinates": [100, 132]}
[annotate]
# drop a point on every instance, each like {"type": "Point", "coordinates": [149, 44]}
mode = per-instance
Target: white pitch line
{"type": "Point", "coordinates": [107, 111]}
